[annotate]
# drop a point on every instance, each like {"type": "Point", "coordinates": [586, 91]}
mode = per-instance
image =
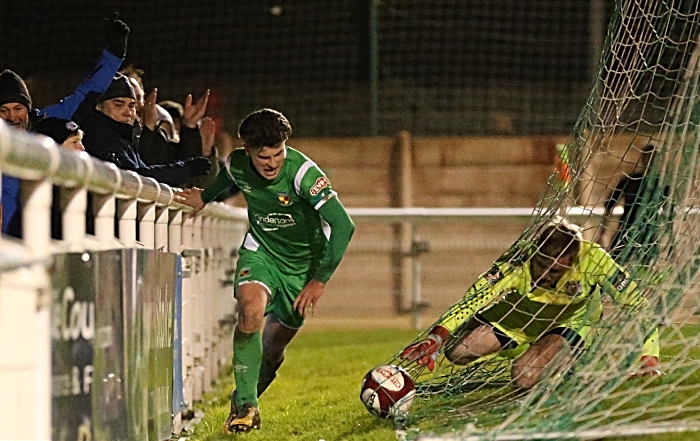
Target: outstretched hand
{"type": "Point", "coordinates": [150, 114]}
{"type": "Point", "coordinates": [425, 352]}
{"type": "Point", "coordinates": [192, 113]}
{"type": "Point", "coordinates": [651, 367]}
{"type": "Point", "coordinates": [308, 298]}
{"type": "Point", "coordinates": [191, 197]}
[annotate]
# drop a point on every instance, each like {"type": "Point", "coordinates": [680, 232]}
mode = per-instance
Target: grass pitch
{"type": "Point", "coordinates": [316, 394]}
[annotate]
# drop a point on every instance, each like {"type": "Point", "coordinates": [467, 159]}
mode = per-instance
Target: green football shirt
{"type": "Point", "coordinates": [283, 213]}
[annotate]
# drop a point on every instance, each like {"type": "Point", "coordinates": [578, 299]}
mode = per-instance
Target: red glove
{"type": "Point", "coordinates": [650, 367]}
{"type": "Point", "coordinates": [425, 352]}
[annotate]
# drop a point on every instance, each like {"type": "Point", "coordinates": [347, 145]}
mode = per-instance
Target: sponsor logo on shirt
{"type": "Point", "coordinates": [319, 185]}
{"type": "Point", "coordinates": [274, 221]}
{"type": "Point", "coordinates": [283, 198]}
{"type": "Point", "coordinates": [244, 272]}
{"type": "Point", "coordinates": [621, 281]}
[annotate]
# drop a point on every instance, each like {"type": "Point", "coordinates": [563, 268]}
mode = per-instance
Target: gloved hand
{"type": "Point", "coordinates": [197, 166]}
{"type": "Point", "coordinates": [651, 367]}
{"type": "Point", "coordinates": [426, 351]}
{"type": "Point", "coordinates": [116, 33]}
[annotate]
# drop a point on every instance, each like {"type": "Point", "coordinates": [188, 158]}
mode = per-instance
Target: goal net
{"type": "Point", "coordinates": [629, 177]}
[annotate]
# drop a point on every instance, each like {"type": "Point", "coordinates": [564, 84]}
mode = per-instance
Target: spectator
{"type": "Point", "coordinates": [109, 121]}
{"type": "Point", "coordinates": [69, 136]}
{"type": "Point", "coordinates": [175, 111]}
{"type": "Point", "coordinates": [65, 133]}
{"type": "Point", "coordinates": [16, 109]}
{"type": "Point", "coordinates": [157, 146]}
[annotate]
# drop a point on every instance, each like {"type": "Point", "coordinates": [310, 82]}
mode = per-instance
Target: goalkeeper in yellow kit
{"type": "Point", "coordinates": [552, 301]}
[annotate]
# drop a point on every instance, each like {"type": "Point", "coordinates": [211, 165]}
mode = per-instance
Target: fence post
{"type": "Point", "coordinates": [36, 228]}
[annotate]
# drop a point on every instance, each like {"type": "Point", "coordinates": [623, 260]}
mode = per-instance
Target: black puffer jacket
{"type": "Point", "coordinates": [115, 142]}
{"type": "Point", "coordinates": [155, 149]}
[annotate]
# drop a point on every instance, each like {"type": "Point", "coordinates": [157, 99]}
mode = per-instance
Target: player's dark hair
{"type": "Point", "coordinates": [264, 128]}
{"type": "Point", "coordinates": [559, 239]}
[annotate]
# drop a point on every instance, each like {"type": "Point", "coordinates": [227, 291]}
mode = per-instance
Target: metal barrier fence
{"type": "Point", "coordinates": [143, 208]}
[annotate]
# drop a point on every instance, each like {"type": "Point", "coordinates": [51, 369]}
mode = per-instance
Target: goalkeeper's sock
{"type": "Point", "coordinates": [247, 355]}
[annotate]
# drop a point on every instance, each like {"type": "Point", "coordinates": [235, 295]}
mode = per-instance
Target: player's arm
{"type": "Point", "coordinates": [315, 187]}
{"type": "Point", "coordinates": [488, 287]}
{"type": "Point", "coordinates": [342, 229]}
{"type": "Point", "coordinates": [197, 198]}
{"type": "Point", "coordinates": [616, 282]}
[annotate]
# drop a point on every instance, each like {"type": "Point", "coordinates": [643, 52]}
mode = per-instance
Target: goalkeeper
{"type": "Point", "coordinates": [551, 302]}
{"type": "Point", "coordinates": [298, 233]}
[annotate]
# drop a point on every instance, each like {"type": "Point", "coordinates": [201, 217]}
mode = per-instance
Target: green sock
{"type": "Point", "coordinates": [247, 356]}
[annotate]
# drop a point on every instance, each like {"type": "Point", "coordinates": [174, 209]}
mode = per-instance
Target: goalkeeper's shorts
{"type": "Point", "coordinates": [259, 267]}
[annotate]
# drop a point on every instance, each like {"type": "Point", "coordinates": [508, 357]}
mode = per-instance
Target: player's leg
{"type": "Point", "coordinates": [254, 287]}
{"type": "Point", "coordinates": [554, 350]}
{"type": "Point", "coordinates": [276, 337]}
{"type": "Point", "coordinates": [247, 356]}
{"type": "Point", "coordinates": [475, 339]}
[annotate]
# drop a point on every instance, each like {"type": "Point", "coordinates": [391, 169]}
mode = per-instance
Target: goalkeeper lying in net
{"type": "Point", "coordinates": [551, 299]}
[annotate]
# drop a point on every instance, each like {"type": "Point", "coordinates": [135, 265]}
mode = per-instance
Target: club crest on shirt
{"type": "Point", "coordinates": [283, 199]}
{"type": "Point", "coordinates": [573, 288]}
{"type": "Point", "coordinates": [319, 185]}
{"type": "Point", "coordinates": [244, 272]}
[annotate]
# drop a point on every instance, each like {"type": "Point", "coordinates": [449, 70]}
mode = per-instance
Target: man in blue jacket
{"type": "Point", "coordinates": [17, 111]}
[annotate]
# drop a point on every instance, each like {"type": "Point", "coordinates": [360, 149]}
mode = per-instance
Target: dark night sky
{"type": "Point", "coordinates": [314, 47]}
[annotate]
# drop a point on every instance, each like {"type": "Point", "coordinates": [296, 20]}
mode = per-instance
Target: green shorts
{"type": "Point", "coordinates": [259, 267]}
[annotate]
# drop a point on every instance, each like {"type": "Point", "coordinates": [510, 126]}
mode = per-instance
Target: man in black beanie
{"type": "Point", "coordinates": [15, 102]}
{"type": "Point", "coordinates": [17, 111]}
{"type": "Point", "coordinates": [109, 122]}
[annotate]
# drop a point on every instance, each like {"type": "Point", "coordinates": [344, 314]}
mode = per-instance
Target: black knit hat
{"type": "Point", "coordinates": [13, 89]}
{"type": "Point", "coordinates": [56, 128]}
{"type": "Point", "coordinates": [119, 88]}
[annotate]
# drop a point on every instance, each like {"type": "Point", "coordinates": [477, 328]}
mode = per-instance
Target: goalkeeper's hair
{"type": "Point", "coordinates": [560, 238]}
{"type": "Point", "coordinates": [264, 128]}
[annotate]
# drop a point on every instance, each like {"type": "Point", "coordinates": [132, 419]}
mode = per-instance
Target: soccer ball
{"type": "Point", "coordinates": [387, 391]}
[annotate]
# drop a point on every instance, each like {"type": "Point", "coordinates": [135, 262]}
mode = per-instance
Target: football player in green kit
{"type": "Point", "coordinates": [298, 233]}
{"type": "Point", "coordinates": [551, 301]}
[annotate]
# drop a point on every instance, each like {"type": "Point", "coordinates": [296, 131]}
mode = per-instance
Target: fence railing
{"type": "Point", "coordinates": [142, 208]}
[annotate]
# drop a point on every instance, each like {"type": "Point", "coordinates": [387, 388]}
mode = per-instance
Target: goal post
{"type": "Point", "coordinates": [634, 148]}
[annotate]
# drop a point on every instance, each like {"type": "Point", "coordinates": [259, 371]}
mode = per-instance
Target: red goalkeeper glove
{"type": "Point", "coordinates": [425, 352]}
{"type": "Point", "coordinates": [650, 367]}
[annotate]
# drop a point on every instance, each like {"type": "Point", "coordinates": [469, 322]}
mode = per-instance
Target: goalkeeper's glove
{"type": "Point", "coordinates": [426, 351]}
{"type": "Point", "coordinates": [651, 367]}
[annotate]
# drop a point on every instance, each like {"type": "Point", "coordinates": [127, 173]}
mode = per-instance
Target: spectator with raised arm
{"type": "Point", "coordinates": [109, 121]}
{"type": "Point", "coordinates": [17, 111]}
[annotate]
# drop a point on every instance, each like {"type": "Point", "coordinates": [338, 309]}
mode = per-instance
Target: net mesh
{"type": "Point", "coordinates": [635, 147]}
